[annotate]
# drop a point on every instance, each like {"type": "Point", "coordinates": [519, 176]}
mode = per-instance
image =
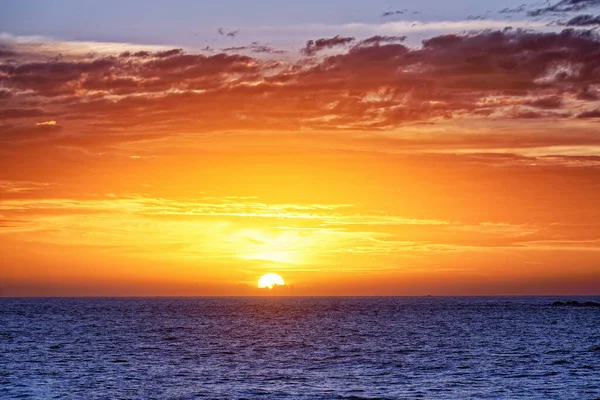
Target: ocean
{"type": "Point", "coordinates": [299, 348]}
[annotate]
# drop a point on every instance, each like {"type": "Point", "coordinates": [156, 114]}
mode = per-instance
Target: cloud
{"type": "Point", "coordinates": [416, 29]}
{"type": "Point", "coordinates": [545, 115]}
{"type": "Point", "coordinates": [392, 13]}
{"type": "Point", "coordinates": [453, 146]}
{"type": "Point", "coordinates": [378, 83]}
{"type": "Point", "coordinates": [255, 47]}
{"type": "Point", "coordinates": [564, 6]}
{"type": "Point", "coordinates": [11, 113]}
{"type": "Point", "coordinates": [41, 48]}
{"type": "Point", "coordinates": [589, 114]}
{"type": "Point", "coordinates": [6, 53]}
{"type": "Point", "coordinates": [129, 73]}
{"type": "Point", "coordinates": [204, 229]}
{"type": "Point", "coordinates": [314, 46]}
{"type": "Point", "coordinates": [476, 17]}
{"type": "Point", "coordinates": [548, 102]}
{"type": "Point", "coordinates": [583, 20]}
{"type": "Point", "coordinates": [528, 115]}
{"type": "Point", "coordinates": [227, 32]}
{"type": "Point", "coordinates": [514, 10]}
{"type": "Point", "coordinates": [5, 94]}
{"type": "Point", "coordinates": [378, 39]}
{"type": "Point", "coordinates": [167, 53]}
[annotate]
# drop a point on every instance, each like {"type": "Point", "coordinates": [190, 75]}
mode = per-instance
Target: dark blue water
{"type": "Point", "coordinates": [298, 348]}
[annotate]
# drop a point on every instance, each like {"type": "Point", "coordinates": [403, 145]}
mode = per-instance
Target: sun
{"type": "Point", "coordinates": [270, 281]}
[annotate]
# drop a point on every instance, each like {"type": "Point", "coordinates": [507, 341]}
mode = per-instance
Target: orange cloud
{"type": "Point", "coordinates": [367, 160]}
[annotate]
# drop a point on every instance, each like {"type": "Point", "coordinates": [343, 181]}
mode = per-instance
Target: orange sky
{"type": "Point", "coordinates": [469, 165]}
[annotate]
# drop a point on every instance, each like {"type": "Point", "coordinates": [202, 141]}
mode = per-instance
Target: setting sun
{"type": "Point", "coordinates": [270, 281]}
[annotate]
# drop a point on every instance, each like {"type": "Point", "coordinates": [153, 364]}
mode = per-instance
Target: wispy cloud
{"type": "Point", "coordinates": [43, 46]}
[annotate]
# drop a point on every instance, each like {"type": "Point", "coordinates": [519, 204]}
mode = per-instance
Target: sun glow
{"type": "Point", "coordinates": [270, 281]}
{"type": "Point", "coordinates": [289, 247]}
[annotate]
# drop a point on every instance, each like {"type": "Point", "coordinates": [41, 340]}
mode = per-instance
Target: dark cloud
{"type": "Point", "coordinates": [314, 46]}
{"type": "Point", "coordinates": [451, 73]}
{"type": "Point", "coordinates": [527, 115]}
{"type": "Point", "coordinates": [7, 53]}
{"type": "Point", "coordinates": [11, 113]}
{"type": "Point", "coordinates": [377, 83]}
{"type": "Point", "coordinates": [392, 13]}
{"type": "Point", "coordinates": [548, 102]}
{"type": "Point", "coordinates": [5, 94]}
{"type": "Point", "coordinates": [169, 53]}
{"type": "Point", "coordinates": [587, 94]}
{"type": "Point", "coordinates": [564, 6]}
{"type": "Point", "coordinates": [589, 114]}
{"type": "Point", "coordinates": [7, 50]}
{"type": "Point", "coordinates": [255, 47]}
{"type": "Point", "coordinates": [236, 48]}
{"type": "Point", "coordinates": [583, 20]}
{"type": "Point", "coordinates": [128, 73]}
{"type": "Point", "coordinates": [52, 78]}
{"type": "Point", "coordinates": [377, 40]}
{"type": "Point", "coordinates": [228, 33]}
{"type": "Point", "coordinates": [515, 10]}
{"type": "Point", "coordinates": [536, 115]}
{"type": "Point", "coordinates": [142, 54]}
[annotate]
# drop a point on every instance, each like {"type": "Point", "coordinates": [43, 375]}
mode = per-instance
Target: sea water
{"type": "Point", "coordinates": [299, 348]}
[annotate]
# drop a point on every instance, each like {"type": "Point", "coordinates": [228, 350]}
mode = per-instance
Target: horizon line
{"type": "Point", "coordinates": [299, 296]}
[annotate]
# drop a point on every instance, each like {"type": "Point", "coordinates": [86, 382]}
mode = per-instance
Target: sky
{"type": "Point", "coordinates": [186, 148]}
